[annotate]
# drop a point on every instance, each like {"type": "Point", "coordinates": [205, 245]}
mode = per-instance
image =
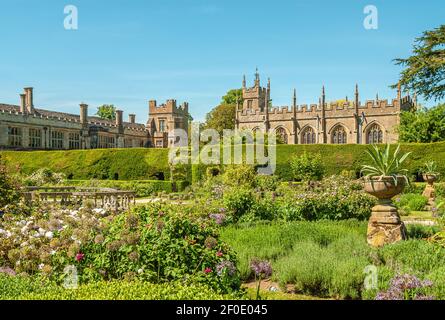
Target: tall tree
{"type": "Point", "coordinates": [425, 69]}
{"type": "Point", "coordinates": [106, 111]}
{"type": "Point", "coordinates": [223, 116]}
{"type": "Point", "coordinates": [423, 125]}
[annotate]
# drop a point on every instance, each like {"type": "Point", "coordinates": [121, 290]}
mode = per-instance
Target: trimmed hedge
{"type": "Point", "coordinates": [27, 288]}
{"type": "Point", "coordinates": [148, 164]}
{"type": "Point", "coordinates": [142, 188]}
{"type": "Point", "coordinates": [103, 164]}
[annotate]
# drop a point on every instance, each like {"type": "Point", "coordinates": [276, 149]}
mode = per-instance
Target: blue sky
{"type": "Point", "coordinates": [128, 52]}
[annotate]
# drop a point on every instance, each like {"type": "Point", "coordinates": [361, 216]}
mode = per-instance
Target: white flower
{"type": "Point", "coordinates": [41, 266]}
{"type": "Point", "coordinates": [42, 231]}
{"type": "Point", "coordinates": [49, 235]}
{"type": "Point", "coordinates": [140, 271]}
{"type": "Point", "coordinates": [53, 252]}
{"type": "Point", "coordinates": [24, 230]}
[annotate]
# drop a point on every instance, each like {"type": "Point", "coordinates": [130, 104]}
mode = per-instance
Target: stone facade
{"type": "Point", "coordinates": [26, 127]}
{"type": "Point", "coordinates": [374, 121]}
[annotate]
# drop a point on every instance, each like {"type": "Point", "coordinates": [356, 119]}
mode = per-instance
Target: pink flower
{"type": "Point", "coordinates": [219, 254]}
{"type": "Point", "coordinates": [207, 270]}
{"type": "Point", "coordinates": [79, 257]}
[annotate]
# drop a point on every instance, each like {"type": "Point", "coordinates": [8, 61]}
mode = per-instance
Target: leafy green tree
{"type": "Point", "coordinates": [425, 69]}
{"type": "Point", "coordinates": [307, 167]}
{"type": "Point", "coordinates": [106, 111]}
{"type": "Point", "coordinates": [9, 188]}
{"type": "Point", "coordinates": [223, 116]}
{"type": "Point", "coordinates": [423, 125]}
{"type": "Point", "coordinates": [233, 96]}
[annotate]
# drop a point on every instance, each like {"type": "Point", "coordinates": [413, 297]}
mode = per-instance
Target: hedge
{"type": "Point", "coordinates": [118, 164]}
{"type": "Point", "coordinates": [149, 164]}
{"type": "Point", "coordinates": [142, 188]}
{"type": "Point", "coordinates": [29, 288]}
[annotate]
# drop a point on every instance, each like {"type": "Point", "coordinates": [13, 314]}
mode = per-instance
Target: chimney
{"type": "Point", "coordinates": [83, 114]}
{"type": "Point", "coordinates": [29, 100]}
{"type": "Point", "coordinates": [132, 118]}
{"type": "Point", "coordinates": [119, 118]}
{"type": "Point", "coordinates": [23, 103]}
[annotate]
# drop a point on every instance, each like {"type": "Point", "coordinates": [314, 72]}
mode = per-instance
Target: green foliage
{"type": "Point", "coordinates": [44, 176]}
{"type": "Point", "coordinates": [32, 288]}
{"type": "Point", "coordinates": [411, 202]}
{"type": "Point", "coordinates": [221, 117]}
{"type": "Point", "coordinates": [425, 69]}
{"type": "Point", "coordinates": [158, 244]}
{"type": "Point", "coordinates": [9, 188]}
{"type": "Point", "coordinates": [423, 125]}
{"type": "Point", "coordinates": [307, 167]}
{"type": "Point", "coordinates": [102, 164]}
{"type": "Point", "coordinates": [238, 201]}
{"type": "Point", "coordinates": [430, 168]}
{"type": "Point", "coordinates": [242, 175]}
{"type": "Point", "coordinates": [385, 164]}
{"type": "Point", "coordinates": [233, 96]}
{"type": "Point", "coordinates": [143, 188]}
{"type": "Point", "coordinates": [106, 111]}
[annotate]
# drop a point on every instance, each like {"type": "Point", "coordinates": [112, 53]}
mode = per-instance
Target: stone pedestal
{"type": "Point", "coordinates": [385, 225]}
{"type": "Point", "coordinates": [430, 193]}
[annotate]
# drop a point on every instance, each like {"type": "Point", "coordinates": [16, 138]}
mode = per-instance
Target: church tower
{"type": "Point", "coordinates": [255, 98]}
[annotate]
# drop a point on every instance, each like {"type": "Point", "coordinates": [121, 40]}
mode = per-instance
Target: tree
{"type": "Point", "coordinates": [232, 96]}
{"type": "Point", "coordinates": [425, 69]}
{"type": "Point", "coordinates": [423, 125]}
{"type": "Point", "coordinates": [106, 111]}
{"type": "Point", "coordinates": [223, 116]}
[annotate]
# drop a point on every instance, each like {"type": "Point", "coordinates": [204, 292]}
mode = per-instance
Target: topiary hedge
{"type": "Point", "coordinates": [149, 164]}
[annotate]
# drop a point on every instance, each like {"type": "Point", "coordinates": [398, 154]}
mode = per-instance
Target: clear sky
{"type": "Point", "coordinates": [128, 52]}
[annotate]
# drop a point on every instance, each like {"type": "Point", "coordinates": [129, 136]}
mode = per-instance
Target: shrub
{"type": "Point", "coordinates": [9, 188]}
{"type": "Point", "coordinates": [411, 202]}
{"type": "Point", "coordinates": [32, 288]}
{"type": "Point", "coordinates": [155, 243]}
{"type": "Point", "coordinates": [238, 201]}
{"type": "Point", "coordinates": [44, 176]}
{"type": "Point", "coordinates": [241, 175]}
{"type": "Point", "coordinates": [307, 167]}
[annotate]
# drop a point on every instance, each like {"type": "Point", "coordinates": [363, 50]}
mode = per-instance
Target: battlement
{"type": "Point", "coordinates": [170, 106]}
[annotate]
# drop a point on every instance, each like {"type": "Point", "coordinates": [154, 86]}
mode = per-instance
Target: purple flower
{"type": "Point", "coordinates": [8, 271]}
{"type": "Point", "coordinates": [405, 285]}
{"type": "Point", "coordinates": [226, 265]}
{"type": "Point", "coordinates": [219, 218]}
{"type": "Point", "coordinates": [261, 268]}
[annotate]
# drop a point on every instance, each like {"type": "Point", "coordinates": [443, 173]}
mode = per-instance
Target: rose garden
{"type": "Point", "coordinates": [333, 222]}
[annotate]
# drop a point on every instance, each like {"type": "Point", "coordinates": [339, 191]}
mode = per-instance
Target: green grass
{"type": "Point", "coordinates": [327, 258]}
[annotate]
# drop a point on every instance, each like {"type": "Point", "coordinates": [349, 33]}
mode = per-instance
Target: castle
{"type": "Point", "coordinates": [374, 121]}
{"type": "Point", "coordinates": [24, 127]}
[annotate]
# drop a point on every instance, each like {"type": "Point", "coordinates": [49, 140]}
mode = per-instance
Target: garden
{"type": "Point", "coordinates": [219, 232]}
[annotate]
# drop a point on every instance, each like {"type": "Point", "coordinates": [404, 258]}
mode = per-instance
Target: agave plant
{"type": "Point", "coordinates": [430, 167]}
{"type": "Point", "coordinates": [385, 164]}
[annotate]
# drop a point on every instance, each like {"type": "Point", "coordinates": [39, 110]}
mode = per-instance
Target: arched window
{"type": "Point", "coordinates": [282, 135]}
{"type": "Point", "coordinates": [308, 136]}
{"type": "Point", "coordinates": [375, 134]}
{"type": "Point", "coordinates": [339, 135]}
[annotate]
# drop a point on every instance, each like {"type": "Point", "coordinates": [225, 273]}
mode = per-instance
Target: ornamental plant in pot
{"type": "Point", "coordinates": [384, 178]}
{"type": "Point", "coordinates": [430, 173]}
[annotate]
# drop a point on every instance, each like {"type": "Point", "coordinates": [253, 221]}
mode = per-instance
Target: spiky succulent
{"type": "Point", "coordinates": [385, 164]}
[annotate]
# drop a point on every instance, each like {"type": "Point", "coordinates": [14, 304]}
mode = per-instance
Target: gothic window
{"type": "Point", "coordinates": [74, 140]}
{"type": "Point", "coordinates": [14, 136]}
{"type": "Point", "coordinates": [339, 135]}
{"type": "Point", "coordinates": [308, 136]}
{"type": "Point", "coordinates": [35, 138]}
{"type": "Point", "coordinates": [375, 134]}
{"type": "Point", "coordinates": [161, 125]}
{"type": "Point", "coordinates": [282, 135]}
{"type": "Point", "coordinates": [249, 104]}
{"type": "Point", "coordinates": [57, 139]}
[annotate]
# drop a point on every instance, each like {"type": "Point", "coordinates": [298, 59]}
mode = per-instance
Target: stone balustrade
{"type": "Point", "coordinates": [106, 198]}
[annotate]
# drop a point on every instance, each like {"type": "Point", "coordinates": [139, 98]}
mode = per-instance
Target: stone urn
{"type": "Point", "coordinates": [385, 225]}
{"type": "Point", "coordinates": [429, 191]}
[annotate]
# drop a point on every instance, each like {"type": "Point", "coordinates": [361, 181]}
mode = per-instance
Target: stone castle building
{"type": "Point", "coordinates": [374, 121]}
{"type": "Point", "coordinates": [25, 127]}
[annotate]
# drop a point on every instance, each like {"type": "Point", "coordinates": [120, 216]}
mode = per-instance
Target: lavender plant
{"type": "Point", "coordinates": [406, 287]}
